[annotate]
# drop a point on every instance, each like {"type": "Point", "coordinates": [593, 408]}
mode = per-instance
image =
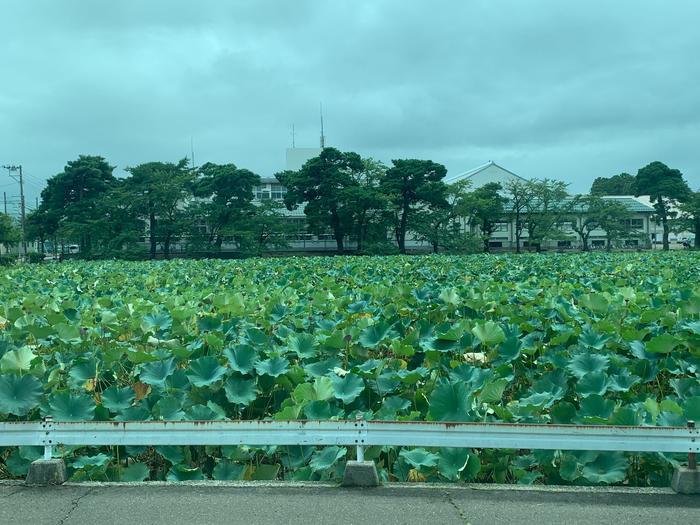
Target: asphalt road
{"type": "Point", "coordinates": [212, 504]}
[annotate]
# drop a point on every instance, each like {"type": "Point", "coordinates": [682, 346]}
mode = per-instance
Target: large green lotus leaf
{"type": "Point", "coordinates": [691, 408]}
{"type": "Point", "coordinates": [586, 363]}
{"type": "Point", "coordinates": [273, 367]}
{"type": "Point", "coordinates": [595, 302]}
{"type": "Point", "coordinates": [685, 387]}
{"type": "Point", "coordinates": [201, 413]}
{"type": "Point", "coordinates": [155, 323]}
{"type": "Point", "coordinates": [240, 391]}
{"type": "Point", "coordinates": [326, 457]}
{"type": "Point", "coordinates": [596, 405]}
{"type": "Point", "coordinates": [184, 473]}
{"type": "Point", "coordinates": [227, 471]}
{"type": "Point", "coordinates": [609, 467]}
{"type": "Point", "coordinates": [99, 460]}
{"type": "Point", "coordinates": [242, 358]}
{"type": "Point", "coordinates": [622, 381]}
{"type": "Point", "coordinates": [265, 472]}
{"type": "Point", "coordinates": [65, 406]}
{"type": "Point", "coordinates": [593, 383]}
{"type": "Point", "coordinates": [411, 377]}
{"type": "Point", "coordinates": [627, 416]}
{"type": "Point", "coordinates": [419, 457]}
{"type": "Point", "coordinates": [82, 371]}
{"type": "Point", "coordinates": [347, 388]}
{"type": "Point", "coordinates": [171, 453]}
{"type": "Point", "coordinates": [489, 333]}
{"type": "Point", "coordinates": [662, 344]}
{"type": "Point", "coordinates": [592, 339]}
{"type": "Point", "coordinates": [493, 391]}
{"type": "Point", "coordinates": [208, 323]}
{"type": "Point", "coordinates": [135, 472]}
{"type": "Point", "coordinates": [450, 402]}
{"type": "Point", "coordinates": [16, 361]}
{"type": "Point", "coordinates": [570, 468]}
{"type": "Point", "coordinates": [157, 373]}
{"type": "Point", "coordinates": [205, 371]}
{"type": "Point", "coordinates": [320, 390]}
{"type": "Point", "coordinates": [563, 413]}
{"type": "Point", "coordinates": [321, 368]}
{"type": "Point", "coordinates": [371, 336]}
{"type": "Point", "coordinates": [169, 408]}
{"type": "Point", "coordinates": [19, 394]}
{"type": "Point", "coordinates": [135, 413]}
{"type": "Point", "coordinates": [303, 345]}
{"type": "Point", "coordinates": [509, 350]}
{"type": "Point", "coordinates": [452, 462]}
{"type": "Point", "coordinates": [117, 399]}
{"type": "Point", "coordinates": [318, 410]}
{"type": "Point", "coordinates": [296, 456]}
{"type": "Point", "coordinates": [68, 333]}
{"type": "Point", "coordinates": [257, 337]}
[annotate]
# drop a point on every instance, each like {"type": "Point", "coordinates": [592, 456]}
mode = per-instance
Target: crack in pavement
{"type": "Point", "coordinates": [74, 505]}
{"type": "Point", "coordinates": [460, 512]}
{"type": "Point", "coordinates": [11, 493]}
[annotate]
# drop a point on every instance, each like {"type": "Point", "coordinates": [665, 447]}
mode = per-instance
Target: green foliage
{"type": "Point", "coordinates": [588, 339]}
{"type": "Point", "coordinates": [622, 184]}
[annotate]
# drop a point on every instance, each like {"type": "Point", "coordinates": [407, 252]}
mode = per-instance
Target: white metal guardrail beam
{"type": "Point", "coordinates": [352, 433]}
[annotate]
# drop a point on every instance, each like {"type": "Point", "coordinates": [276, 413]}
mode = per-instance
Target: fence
{"type": "Point", "coordinates": [358, 433]}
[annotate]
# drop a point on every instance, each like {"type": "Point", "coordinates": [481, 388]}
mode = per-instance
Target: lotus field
{"type": "Point", "coordinates": [589, 339]}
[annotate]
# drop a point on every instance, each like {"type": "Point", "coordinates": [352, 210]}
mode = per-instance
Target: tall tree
{"type": "Point", "coordinates": [519, 195]}
{"type": "Point", "coordinates": [323, 183]}
{"type": "Point", "coordinates": [613, 219]}
{"type": "Point", "coordinates": [622, 184]}
{"type": "Point", "coordinates": [368, 206]}
{"type": "Point", "coordinates": [229, 194]}
{"type": "Point", "coordinates": [545, 210]}
{"type": "Point", "coordinates": [690, 214]}
{"type": "Point", "coordinates": [414, 187]}
{"type": "Point", "coordinates": [9, 232]}
{"type": "Point", "coordinates": [591, 212]}
{"type": "Point", "coordinates": [442, 226]}
{"type": "Point", "coordinates": [71, 197]}
{"type": "Point", "coordinates": [160, 192]}
{"type": "Point", "coordinates": [485, 208]}
{"type": "Point", "coordinates": [666, 188]}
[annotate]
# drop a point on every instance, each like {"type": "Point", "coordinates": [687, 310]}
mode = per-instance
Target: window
{"type": "Point", "coordinates": [278, 192]}
{"type": "Point", "coordinates": [563, 244]}
{"type": "Point", "coordinates": [500, 227]}
{"type": "Point", "coordinates": [598, 243]}
{"type": "Point", "coordinates": [495, 244]}
{"type": "Point", "coordinates": [637, 224]}
{"type": "Point", "coordinates": [262, 193]}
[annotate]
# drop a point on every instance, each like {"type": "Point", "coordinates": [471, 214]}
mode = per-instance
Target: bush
{"type": "Point", "coordinates": [7, 260]}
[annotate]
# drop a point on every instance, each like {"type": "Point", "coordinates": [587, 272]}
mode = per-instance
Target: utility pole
{"type": "Point", "coordinates": [4, 200]}
{"type": "Point", "coordinates": [11, 169]}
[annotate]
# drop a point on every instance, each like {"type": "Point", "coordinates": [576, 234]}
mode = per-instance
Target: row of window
{"type": "Point", "coordinates": [275, 192]}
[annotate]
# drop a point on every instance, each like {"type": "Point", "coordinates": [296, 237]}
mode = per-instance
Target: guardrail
{"type": "Point", "coordinates": [358, 433]}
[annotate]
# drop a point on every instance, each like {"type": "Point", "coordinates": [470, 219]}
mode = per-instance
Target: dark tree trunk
{"type": "Point", "coordinates": [401, 234]}
{"type": "Point", "coordinates": [337, 232]}
{"type": "Point", "coordinates": [166, 246]}
{"type": "Point", "coordinates": [664, 221]}
{"type": "Point", "coordinates": [152, 234]}
{"type": "Point", "coordinates": [584, 240]}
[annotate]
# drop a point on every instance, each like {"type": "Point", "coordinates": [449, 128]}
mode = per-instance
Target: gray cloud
{"type": "Point", "coordinates": [546, 88]}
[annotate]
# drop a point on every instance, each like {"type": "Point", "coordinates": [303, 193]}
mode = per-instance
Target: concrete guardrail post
{"type": "Point", "coordinates": [48, 470]}
{"type": "Point", "coordinates": [360, 473]}
{"type": "Point", "coordinates": [686, 480]}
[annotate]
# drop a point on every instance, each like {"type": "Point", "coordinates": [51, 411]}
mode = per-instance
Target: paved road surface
{"type": "Point", "coordinates": [213, 504]}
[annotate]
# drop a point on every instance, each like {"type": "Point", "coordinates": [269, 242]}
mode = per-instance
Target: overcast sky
{"type": "Point", "coordinates": [561, 89]}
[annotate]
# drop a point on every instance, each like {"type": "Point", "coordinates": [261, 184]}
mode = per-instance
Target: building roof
{"type": "Point", "coordinates": [632, 203]}
{"type": "Point", "coordinates": [470, 173]}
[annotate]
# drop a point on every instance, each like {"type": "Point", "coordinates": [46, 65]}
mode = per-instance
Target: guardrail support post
{"type": "Point", "coordinates": [360, 473]}
{"type": "Point", "coordinates": [47, 471]}
{"type": "Point", "coordinates": [686, 480]}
